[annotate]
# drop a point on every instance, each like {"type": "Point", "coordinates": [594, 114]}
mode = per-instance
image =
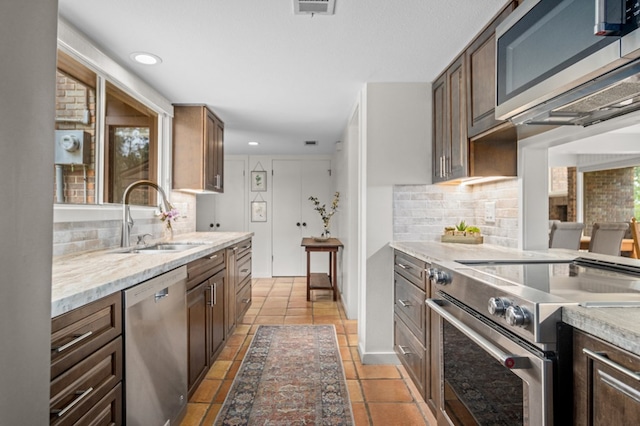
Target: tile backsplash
{"type": "Point", "coordinates": [79, 236]}
{"type": "Point", "coordinates": [420, 212]}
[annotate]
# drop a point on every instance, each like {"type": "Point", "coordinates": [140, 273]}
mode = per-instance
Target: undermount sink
{"type": "Point", "coordinates": [159, 248]}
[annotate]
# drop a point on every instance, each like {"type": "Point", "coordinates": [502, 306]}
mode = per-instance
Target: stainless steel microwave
{"type": "Point", "coordinates": [568, 61]}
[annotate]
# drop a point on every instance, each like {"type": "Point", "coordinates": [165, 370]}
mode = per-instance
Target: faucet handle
{"type": "Point", "coordinates": [141, 240]}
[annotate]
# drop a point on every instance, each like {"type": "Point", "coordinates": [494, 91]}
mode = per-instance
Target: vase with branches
{"type": "Point", "coordinates": [326, 214]}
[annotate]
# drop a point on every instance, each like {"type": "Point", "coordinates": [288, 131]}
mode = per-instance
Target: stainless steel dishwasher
{"type": "Point", "coordinates": [155, 318]}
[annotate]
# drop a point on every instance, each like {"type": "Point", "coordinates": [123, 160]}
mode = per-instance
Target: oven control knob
{"type": "Point", "coordinates": [498, 306]}
{"type": "Point", "coordinates": [440, 277]}
{"type": "Point", "coordinates": [517, 315]}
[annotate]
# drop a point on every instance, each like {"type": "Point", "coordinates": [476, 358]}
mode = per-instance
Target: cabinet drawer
{"type": "Point", "coordinates": [410, 306]}
{"type": "Point", "coordinates": [244, 269]}
{"type": "Point", "coordinates": [78, 333]}
{"type": "Point", "coordinates": [411, 268]}
{"type": "Point", "coordinates": [606, 387]}
{"type": "Point", "coordinates": [107, 412]}
{"type": "Point", "coordinates": [411, 354]}
{"type": "Point", "coordinates": [201, 269]}
{"type": "Point", "coordinates": [244, 247]}
{"type": "Point", "coordinates": [243, 300]}
{"type": "Point", "coordinates": [77, 390]}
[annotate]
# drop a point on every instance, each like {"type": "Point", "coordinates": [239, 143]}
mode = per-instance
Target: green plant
{"type": "Point", "coordinates": [473, 229]}
{"type": "Point", "coordinates": [324, 215]}
{"type": "Point", "coordinates": [461, 226]}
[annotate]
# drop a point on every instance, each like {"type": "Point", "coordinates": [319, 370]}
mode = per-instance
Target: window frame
{"type": "Point", "coordinates": [74, 44]}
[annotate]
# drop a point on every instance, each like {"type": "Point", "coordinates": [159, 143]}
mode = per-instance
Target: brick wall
{"type": "Point", "coordinates": [71, 102]}
{"type": "Point", "coordinates": [420, 212]}
{"type": "Point", "coordinates": [608, 196]}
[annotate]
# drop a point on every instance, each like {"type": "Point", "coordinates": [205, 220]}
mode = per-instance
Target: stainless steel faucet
{"type": "Point", "coordinates": [127, 221]}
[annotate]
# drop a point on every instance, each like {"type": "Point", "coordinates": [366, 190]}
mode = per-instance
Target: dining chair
{"type": "Point", "coordinates": [606, 238]}
{"type": "Point", "coordinates": [635, 234]}
{"type": "Point", "coordinates": [565, 235]}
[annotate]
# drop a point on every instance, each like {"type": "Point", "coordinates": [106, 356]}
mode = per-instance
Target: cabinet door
{"type": "Point", "coordinates": [294, 181]}
{"type": "Point", "coordinates": [230, 290]}
{"type": "Point", "coordinates": [216, 321]}
{"type": "Point", "coordinates": [606, 388]}
{"type": "Point", "coordinates": [440, 150]}
{"type": "Point", "coordinates": [197, 318]}
{"type": "Point", "coordinates": [456, 165]}
{"type": "Point", "coordinates": [210, 153]}
{"type": "Point", "coordinates": [481, 83]}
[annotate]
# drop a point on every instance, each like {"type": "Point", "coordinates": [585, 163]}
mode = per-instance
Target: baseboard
{"type": "Point", "coordinates": [378, 358]}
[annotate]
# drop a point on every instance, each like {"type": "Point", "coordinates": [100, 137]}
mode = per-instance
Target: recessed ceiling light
{"type": "Point", "coordinates": [253, 143]}
{"type": "Point", "coordinates": [145, 58]}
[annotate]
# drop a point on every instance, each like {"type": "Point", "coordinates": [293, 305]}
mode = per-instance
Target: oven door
{"type": "Point", "coordinates": [487, 377]}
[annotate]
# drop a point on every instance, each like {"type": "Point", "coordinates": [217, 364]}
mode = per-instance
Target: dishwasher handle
{"type": "Point", "coordinates": [161, 294]}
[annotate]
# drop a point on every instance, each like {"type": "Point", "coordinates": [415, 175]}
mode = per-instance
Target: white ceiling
{"type": "Point", "coordinates": [272, 76]}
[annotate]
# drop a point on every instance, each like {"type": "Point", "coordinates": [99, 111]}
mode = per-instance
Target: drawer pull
{"type": "Point", "coordinates": [78, 338]}
{"type": "Point", "coordinates": [403, 303]}
{"type": "Point", "coordinates": [213, 256]}
{"type": "Point", "coordinates": [404, 266]}
{"type": "Point", "coordinates": [620, 386]}
{"type": "Point", "coordinates": [246, 247]}
{"type": "Point", "coordinates": [403, 350]}
{"type": "Point", "coordinates": [244, 270]}
{"type": "Point", "coordinates": [246, 300]}
{"type": "Point", "coordinates": [235, 249]}
{"type": "Point", "coordinates": [603, 358]}
{"type": "Point", "coordinates": [81, 395]}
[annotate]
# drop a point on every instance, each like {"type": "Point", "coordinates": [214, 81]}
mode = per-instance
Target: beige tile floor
{"type": "Point", "coordinates": [380, 394]}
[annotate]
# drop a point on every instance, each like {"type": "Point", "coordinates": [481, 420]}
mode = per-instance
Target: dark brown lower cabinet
{"type": "Point", "coordinates": [87, 364]}
{"type": "Point", "coordinates": [205, 315]}
{"type": "Point", "coordinates": [606, 383]}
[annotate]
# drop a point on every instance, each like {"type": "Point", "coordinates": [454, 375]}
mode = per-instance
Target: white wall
{"type": "Point", "coordinates": [392, 145]}
{"type": "Point", "coordinates": [27, 83]}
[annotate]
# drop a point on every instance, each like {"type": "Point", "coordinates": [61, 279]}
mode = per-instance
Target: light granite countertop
{"type": "Point", "coordinates": [618, 326]}
{"type": "Point", "coordinates": [82, 278]}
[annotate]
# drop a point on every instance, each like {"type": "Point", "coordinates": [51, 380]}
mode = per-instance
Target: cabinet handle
{"type": "Point", "coordinates": [603, 358]}
{"type": "Point", "coordinates": [244, 270]}
{"type": "Point", "coordinates": [298, 224]}
{"type": "Point", "coordinates": [440, 168]}
{"type": "Point", "coordinates": [245, 247]}
{"type": "Point", "coordinates": [212, 296]}
{"type": "Point", "coordinates": [81, 395]}
{"type": "Point", "coordinates": [404, 266]}
{"type": "Point", "coordinates": [246, 300]}
{"type": "Point", "coordinates": [403, 351]}
{"type": "Point", "coordinates": [213, 256]}
{"type": "Point", "coordinates": [235, 249]}
{"type": "Point", "coordinates": [403, 303]}
{"type": "Point", "coordinates": [78, 338]}
{"type": "Point", "coordinates": [217, 184]}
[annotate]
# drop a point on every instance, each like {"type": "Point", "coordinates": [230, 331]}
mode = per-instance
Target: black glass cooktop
{"type": "Point", "coordinates": [583, 280]}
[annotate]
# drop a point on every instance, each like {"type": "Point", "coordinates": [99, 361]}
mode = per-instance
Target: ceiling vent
{"type": "Point", "coordinates": [313, 7]}
{"type": "Point", "coordinates": [310, 143]}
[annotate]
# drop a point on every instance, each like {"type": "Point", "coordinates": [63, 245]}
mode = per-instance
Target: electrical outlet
{"type": "Point", "coordinates": [490, 212]}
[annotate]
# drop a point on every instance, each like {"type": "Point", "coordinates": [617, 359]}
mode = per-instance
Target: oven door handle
{"type": "Point", "coordinates": [510, 361]}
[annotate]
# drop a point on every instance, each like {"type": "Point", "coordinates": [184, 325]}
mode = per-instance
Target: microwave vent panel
{"type": "Point", "coordinates": [314, 7]}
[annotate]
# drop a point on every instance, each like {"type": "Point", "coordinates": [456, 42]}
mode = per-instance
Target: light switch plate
{"type": "Point", "coordinates": [490, 212]}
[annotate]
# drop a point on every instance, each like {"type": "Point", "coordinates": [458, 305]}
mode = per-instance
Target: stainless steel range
{"type": "Point", "coordinates": [501, 338]}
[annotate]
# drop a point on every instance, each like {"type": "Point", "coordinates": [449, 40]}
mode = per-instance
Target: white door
{"type": "Point", "coordinates": [227, 211]}
{"type": "Point", "coordinates": [294, 181]}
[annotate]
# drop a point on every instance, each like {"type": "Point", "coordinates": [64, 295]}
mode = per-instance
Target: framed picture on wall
{"type": "Point", "coordinates": [258, 181]}
{"type": "Point", "coordinates": [258, 211]}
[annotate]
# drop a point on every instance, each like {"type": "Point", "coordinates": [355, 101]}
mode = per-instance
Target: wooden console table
{"type": "Point", "coordinates": [321, 281]}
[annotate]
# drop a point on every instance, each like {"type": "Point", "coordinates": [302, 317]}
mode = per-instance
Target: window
{"type": "Point", "coordinates": [129, 145]}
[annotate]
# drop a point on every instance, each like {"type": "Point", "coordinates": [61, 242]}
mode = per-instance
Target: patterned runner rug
{"type": "Point", "coordinates": [291, 375]}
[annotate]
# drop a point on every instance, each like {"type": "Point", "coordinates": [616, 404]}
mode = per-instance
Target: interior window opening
{"type": "Point", "coordinates": [131, 148]}
{"type": "Point", "coordinates": [75, 131]}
